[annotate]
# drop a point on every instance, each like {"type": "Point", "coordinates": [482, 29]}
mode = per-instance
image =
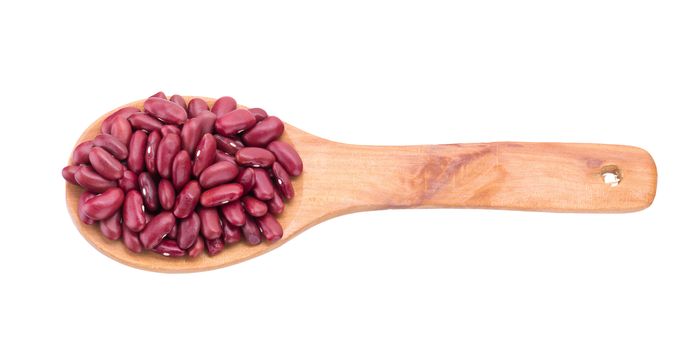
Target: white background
{"type": "Point", "coordinates": [622, 72]}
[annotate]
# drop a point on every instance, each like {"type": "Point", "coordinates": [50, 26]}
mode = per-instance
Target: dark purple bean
{"type": "Point", "coordinates": [157, 229]}
{"type": "Point", "coordinates": [159, 94]}
{"type": "Point", "coordinates": [84, 197]}
{"type": "Point", "coordinates": [231, 233]}
{"type": "Point", "coordinates": [251, 231]}
{"type": "Point", "coordinates": [234, 122]}
{"type": "Point", "coordinates": [192, 131]}
{"type": "Point", "coordinates": [123, 113]}
{"type": "Point", "coordinates": [254, 206]}
{"type": "Point", "coordinates": [189, 228]}
{"type": "Point", "coordinates": [283, 180]}
{"type": "Point", "coordinates": [264, 189]}
{"type": "Point", "coordinates": [137, 151]}
{"type": "Point", "coordinates": [121, 129]}
{"type": "Point", "coordinates": [214, 246]}
{"type": "Point", "coordinates": [132, 213]}
{"type": "Point", "coordinates": [205, 154]}
{"type": "Point", "coordinates": [258, 113]}
{"type": "Point", "coordinates": [217, 174]}
{"type": "Point", "coordinates": [152, 145]}
{"type": "Point", "coordinates": [131, 240]}
{"type": "Point", "coordinates": [168, 247]}
{"type": "Point", "coordinates": [149, 191]}
{"type": "Point", "coordinates": [276, 204]}
{"type": "Point", "coordinates": [187, 199]}
{"type": "Point", "coordinates": [143, 121]}
{"type": "Point", "coordinates": [221, 194]}
{"type": "Point", "coordinates": [168, 112]}
{"type": "Point", "coordinates": [174, 232]}
{"type": "Point", "coordinates": [197, 248]}
{"type": "Point", "coordinates": [224, 157]}
{"type": "Point", "coordinates": [264, 132]}
{"type": "Point", "coordinates": [270, 227]}
{"type": "Point", "coordinates": [166, 194]}
{"type": "Point", "coordinates": [104, 205]}
{"type": "Point", "coordinates": [168, 148]}
{"type": "Point", "coordinates": [230, 145]}
{"type": "Point", "coordinates": [196, 106]}
{"type": "Point", "coordinates": [105, 164]}
{"type": "Point", "coordinates": [181, 169]}
{"type": "Point", "coordinates": [233, 213]}
{"type": "Point", "coordinates": [179, 100]}
{"type": "Point", "coordinates": [169, 129]}
{"type": "Point", "coordinates": [210, 223]}
{"type": "Point", "coordinates": [254, 157]}
{"type": "Point", "coordinates": [287, 157]}
{"type": "Point", "coordinates": [69, 171]}
{"type": "Point", "coordinates": [112, 145]}
{"type": "Point", "coordinates": [247, 179]}
{"type": "Point", "coordinates": [129, 181]}
{"type": "Point", "coordinates": [224, 105]}
{"type": "Point", "coordinates": [208, 120]}
{"type": "Point", "coordinates": [111, 226]}
{"type": "Point", "coordinates": [90, 180]}
{"type": "Point", "coordinates": [81, 153]}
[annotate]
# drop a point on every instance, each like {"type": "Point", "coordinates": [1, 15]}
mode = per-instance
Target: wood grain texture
{"type": "Point", "coordinates": [341, 178]}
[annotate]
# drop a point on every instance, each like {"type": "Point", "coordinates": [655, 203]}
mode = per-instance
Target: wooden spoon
{"type": "Point", "coordinates": [340, 179]}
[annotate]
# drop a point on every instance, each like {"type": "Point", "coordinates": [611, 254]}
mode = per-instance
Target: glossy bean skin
{"type": "Point", "coordinates": [149, 191]}
{"type": "Point", "coordinates": [197, 248]}
{"type": "Point", "coordinates": [234, 122]}
{"type": "Point", "coordinates": [152, 144]}
{"type": "Point", "coordinates": [129, 181]}
{"type": "Point", "coordinates": [132, 213]}
{"type": "Point", "coordinates": [69, 171]}
{"type": "Point", "coordinates": [137, 151]}
{"type": "Point", "coordinates": [283, 180]}
{"type": "Point", "coordinates": [224, 105]}
{"type": "Point", "coordinates": [254, 157]}
{"type": "Point", "coordinates": [192, 132]}
{"type": "Point", "coordinates": [121, 129]}
{"type": "Point", "coordinates": [276, 204]}
{"type": "Point", "coordinates": [166, 194]}
{"type": "Point", "coordinates": [159, 94]}
{"type": "Point", "coordinates": [168, 148]}
{"type": "Point", "coordinates": [187, 199]}
{"type": "Point", "coordinates": [166, 111]}
{"type": "Point", "coordinates": [205, 154]}
{"type": "Point", "coordinates": [143, 121]}
{"type": "Point", "coordinates": [168, 247]}
{"type": "Point", "coordinates": [207, 120]}
{"type": "Point", "coordinates": [174, 232]}
{"type": "Point", "coordinates": [270, 227]}
{"type": "Point", "coordinates": [111, 226]}
{"type": "Point", "coordinates": [131, 240]}
{"type": "Point", "coordinates": [221, 194]}
{"type": "Point", "coordinates": [169, 129]}
{"type": "Point", "coordinates": [264, 132]}
{"type": "Point", "coordinates": [179, 100]}
{"type": "Point", "coordinates": [81, 153]}
{"type": "Point", "coordinates": [105, 204]}
{"type": "Point", "coordinates": [254, 206]}
{"type": "Point", "coordinates": [81, 207]}
{"type": "Point", "coordinates": [210, 223]}
{"type": "Point", "coordinates": [214, 246]}
{"type": "Point", "coordinates": [231, 233]}
{"type": "Point", "coordinates": [181, 169]}
{"type": "Point", "coordinates": [196, 106]}
{"type": "Point", "coordinates": [105, 164]}
{"type": "Point", "coordinates": [230, 145]}
{"type": "Point", "coordinates": [123, 113]}
{"type": "Point", "coordinates": [217, 174]}
{"type": "Point", "coordinates": [112, 145]}
{"type": "Point", "coordinates": [157, 229]}
{"type": "Point", "coordinates": [247, 179]}
{"type": "Point", "coordinates": [251, 232]}
{"type": "Point", "coordinates": [224, 157]}
{"type": "Point", "coordinates": [258, 113]}
{"type": "Point", "coordinates": [189, 228]}
{"type": "Point", "coordinates": [234, 213]}
{"type": "Point", "coordinates": [287, 157]}
{"type": "Point", "coordinates": [264, 189]}
{"type": "Point", "coordinates": [90, 180]}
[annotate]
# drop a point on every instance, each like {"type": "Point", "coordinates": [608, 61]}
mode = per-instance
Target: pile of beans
{"type": "Point", "coordinates": [178, 178]}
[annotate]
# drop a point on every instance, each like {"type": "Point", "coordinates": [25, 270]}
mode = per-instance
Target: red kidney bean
{"type": "Point", "coordinates": [174, 232]}
{"type": "Point", "coordinates": [205, 154]}
{"type": "Point", "coordinates": [152, 145]}
{"type": "Point", "coordinates": [196, 106]}
{"type": "Point", "coordinates": [168, 148]}
{"type": "Point", "coordinates": [149, 217]}
{"type": "Point", "coordinates": [191, 134]}
{"type": "Point", "coordinates": [197, 248]}
{"type": "Point", "coordinates": [188, 231]}
{"type": "Point", "coordinates": [210, 223]}
{"type": "Point", "coordinates": [287, 157]}
{"type": "Point", "coordinates": [224, 157]}
{"type": "Point", "coordinates": [84, 197]}
{"type": "Point", "coordinates": [270, 227]}
{"type": "Point", "coordinates": [169, 129]}
{"type": "Point", "coordinates": [251, 231]}
{"type": "Point", "coordinates": [264, 132]}
{"type": "Point", "coordinates": [149, 191]}
{"type": "Point", "coordinates": [217, 174]}
{"type": "Point", "coordinates": [264, 189]}
{"type": "Point", "coordinates": [224, 105]}
{"type": "Point", "coordinates": [258, 113]}
{"type": "Point", "coordinates": [283, 180]}
{"type": "Point", "coordinates": [112, 145]}
{"type": "Point", "coordinates": [123, 113]}
{"type": "Point", "coordinates": [276, 204]}
{"type": "Point", "coordinates": [131, 240]}
{"type": "Point", "coordinates": [230, 145]}
{"type": "Point", "coordinates": [166, 194]}
{"type": "Point", "coordinates": [221, 194]}
{"type": "Point", "coordinates": [143, 121]}
{"type": "Point", "coordinates": [208, 120]}
{"type": "Point", "coordinates": [166, 111]}
{"type": "Point", "coordinates": [81, 153]}
{"type": "Point", "coordinates": [159, 94]}
{"type": "Point", "coordinates": [234, 122]}
{"type": "Point", "coordinates": [168, 247]}
{"type": "Point", "coordinates": [137, 151]}
{"type": "Point", "coordinates": [179, 100]}
{"type": "Point", "coordinates": [254, 157]}
{"type": "Point", "coordinates": [69, 171]}
{"type": "Point", "coordinates": [104, 205]}
{"type": "Point", "coordinates": [231, 233]}
{"type": "Point", "coordinates": [105, 164]}
{"type": "Point", "coordinates": [181, 169]}
{"type": "Point", "coordinates": [129, 181]}
{"type": "Point", "coordinates": [111, 226]}
{"type": "Point", "coordinates": [246, 178]}
{"type": "Point", "coordinates": [254, 206]}
{"type": "Point", "coordinates": [121, 129]}
{"type": "Point", "coordinates": [233, 213]}
{"type": "Point", "coordinates": [187, 199]}
{"type": "Point", "coordinates": [157, 229]}
{"type": "Point", "coordinates": [90, 180]}
{"type": "Point", "coordinates": [214, 246]}
{"type": "Point", "coordinates": [133, 211]}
